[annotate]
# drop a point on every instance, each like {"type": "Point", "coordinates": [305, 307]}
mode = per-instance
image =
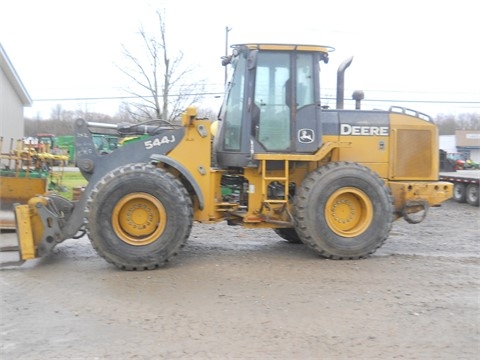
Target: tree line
{"type": "Point", "coordinates": [448, 124]}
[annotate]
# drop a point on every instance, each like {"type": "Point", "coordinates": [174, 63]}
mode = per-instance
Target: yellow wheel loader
{"type": "Point", "coordinates": [275, 158]}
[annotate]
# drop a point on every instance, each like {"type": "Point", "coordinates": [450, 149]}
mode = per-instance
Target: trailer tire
{"type": "Point", "coordinates": [343, 211]}
{"type": "Point", "coordinates": [138, 217]}
{"type": "Point", "coordinates": [288, 234]}
{"type": "Point", "coordinates": [459, 192]}
{"type": "Point", "coordinates": [472, 194]}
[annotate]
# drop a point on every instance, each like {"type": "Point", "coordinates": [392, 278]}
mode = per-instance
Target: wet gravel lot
{"type": "Point", "coordinates": [235, 293]}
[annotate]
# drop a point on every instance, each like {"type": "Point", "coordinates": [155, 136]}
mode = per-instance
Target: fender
{"type": "Point", "coordinates": [156, 158]}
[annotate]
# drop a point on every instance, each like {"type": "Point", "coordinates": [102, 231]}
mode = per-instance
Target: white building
{"type": "Point", "coordinates": [13, 98]}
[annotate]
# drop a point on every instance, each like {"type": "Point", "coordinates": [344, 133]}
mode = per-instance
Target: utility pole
{"type": "Point", "coordinates": [227, 30]}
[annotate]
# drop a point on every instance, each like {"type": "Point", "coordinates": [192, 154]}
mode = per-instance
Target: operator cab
{"type": "Point", "coordinates": [272, 103]}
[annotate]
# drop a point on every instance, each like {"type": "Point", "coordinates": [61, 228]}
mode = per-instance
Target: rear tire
{"type": "Point", "coordinates": [343, 211]}
{"type": "Point", "coordinates": [472, 194]}
{"type": "Point", "coordinates": [459, 192]}
{"type": "Point", "coordinates": [138, 217]}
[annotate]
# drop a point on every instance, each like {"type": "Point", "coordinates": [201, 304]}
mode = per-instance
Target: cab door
{"type": "Point", "coordinates": [286, 115]}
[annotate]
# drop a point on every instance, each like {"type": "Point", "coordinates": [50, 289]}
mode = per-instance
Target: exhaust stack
{"type": "Point", "coordinates": [341, 81]}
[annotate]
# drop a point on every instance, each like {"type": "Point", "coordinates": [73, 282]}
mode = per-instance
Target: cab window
{"type": "Point", "coordinates": [272, 113]}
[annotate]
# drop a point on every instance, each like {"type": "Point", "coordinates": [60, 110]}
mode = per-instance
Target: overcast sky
{"type": "Point", "coordinates": [425, 51]}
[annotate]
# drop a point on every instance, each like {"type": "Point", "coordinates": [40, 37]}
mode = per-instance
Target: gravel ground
{"type": "Point", "coordinates": [235, 293]}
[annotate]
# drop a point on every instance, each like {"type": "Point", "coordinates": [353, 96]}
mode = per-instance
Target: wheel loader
{"type": "Point", "coordinates": [276, 157]}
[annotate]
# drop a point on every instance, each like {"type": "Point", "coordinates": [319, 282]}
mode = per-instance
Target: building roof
{"type": "Point", "coordinates": [12, 76]}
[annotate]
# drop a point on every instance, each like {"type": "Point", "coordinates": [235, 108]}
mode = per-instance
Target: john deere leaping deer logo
{"type": "Point", "coordinates": [306, 136]}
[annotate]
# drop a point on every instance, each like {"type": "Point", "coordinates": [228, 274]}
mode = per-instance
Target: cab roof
{"type": "Point", "coordinates": [280, 47]}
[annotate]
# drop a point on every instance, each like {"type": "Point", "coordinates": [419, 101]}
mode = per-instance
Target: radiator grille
{"type": "Point", "coordinates": [413, 154]}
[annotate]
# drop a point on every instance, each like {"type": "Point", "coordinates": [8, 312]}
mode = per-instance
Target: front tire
{"type": "Point", "coordinates": [343, 211]}
{"type": "Point", "coordinates": [138, 217]}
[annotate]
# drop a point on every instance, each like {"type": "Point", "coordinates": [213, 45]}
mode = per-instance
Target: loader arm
{"type": "Point", "coordinates": [50, 219]}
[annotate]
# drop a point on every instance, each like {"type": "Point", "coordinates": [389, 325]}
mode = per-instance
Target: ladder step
{"type": "Point", "coordinates": [276, 178]}
{"type": "Point", "coordinates": [282, 179]}
{"type": "Point", "coordinates": [275, 201]}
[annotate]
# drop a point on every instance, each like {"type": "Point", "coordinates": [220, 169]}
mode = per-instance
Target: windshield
{"type": "Point", "coordinates": [232, 108]}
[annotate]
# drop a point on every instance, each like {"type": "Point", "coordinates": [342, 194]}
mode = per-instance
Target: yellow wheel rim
{"type": "Point", "coordinates": [139, 219]}
{"type": "Point", "coordinates": [348, 212]}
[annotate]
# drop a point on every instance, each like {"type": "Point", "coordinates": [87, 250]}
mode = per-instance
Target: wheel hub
{"type": "Point", "coordinates": [343, 211]}
{"type": "Point", "coordinates": [348, 212]}
{"type": "Point", "coordinates": [139, 218]}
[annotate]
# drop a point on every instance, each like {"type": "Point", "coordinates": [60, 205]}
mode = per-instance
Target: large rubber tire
{"type": "Point", "coordinates": [459, 192]}
{"type": "Point", "coordinates": [472, 194]}
{"type": "Point", "coordinates": [288, 234]}
{"type": "Point", "coordinates": [343, 211]}
{"type": "Point", "coordinates": [138, 217]}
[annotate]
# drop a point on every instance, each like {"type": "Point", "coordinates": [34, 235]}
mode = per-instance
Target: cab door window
{"type": "Point", "coordinates": [272, 112]}
{"type": "Point", "coordinates": [304, 82]}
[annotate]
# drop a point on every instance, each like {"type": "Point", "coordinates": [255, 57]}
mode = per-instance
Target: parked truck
{"type": "Point", "coordinates": [465, 182]}
{"type": "Point", "coordinates": [465, 185]}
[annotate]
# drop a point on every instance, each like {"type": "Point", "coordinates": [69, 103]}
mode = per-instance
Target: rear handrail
{"type": "Point", "coordinates": [407, 111]}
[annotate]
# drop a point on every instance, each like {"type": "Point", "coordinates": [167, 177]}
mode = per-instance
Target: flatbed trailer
{"type": "Point", "coordinates": [465, 185]}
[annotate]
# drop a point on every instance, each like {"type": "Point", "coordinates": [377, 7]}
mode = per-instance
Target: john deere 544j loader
{"type": "Point", "coordinates": [333, 179]}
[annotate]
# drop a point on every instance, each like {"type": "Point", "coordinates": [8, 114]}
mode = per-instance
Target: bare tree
{"type": "Point", "coordinates": [159, 80]}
